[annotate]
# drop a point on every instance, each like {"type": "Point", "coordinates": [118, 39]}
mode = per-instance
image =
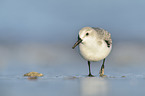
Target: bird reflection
{"type": "Point", "coordinates": [94, 87]}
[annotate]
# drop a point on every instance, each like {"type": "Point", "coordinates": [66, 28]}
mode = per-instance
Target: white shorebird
{"type": "Point", "coordinates": [95, 44]}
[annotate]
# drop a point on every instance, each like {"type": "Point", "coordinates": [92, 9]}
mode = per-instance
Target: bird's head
{"type": "Point", "coordinates": [84, 34]}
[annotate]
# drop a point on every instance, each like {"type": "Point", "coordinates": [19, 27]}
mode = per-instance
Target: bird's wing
{"type": "Point", "coordinates": [103, 34]}
{"type": "Point", "coordinates": [107, 38]}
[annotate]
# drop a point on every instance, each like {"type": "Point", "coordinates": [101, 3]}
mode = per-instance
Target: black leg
{"type": "Point", "coordinates": [90, 70]}
{"type": "Point", "coordinates": [102, 69]}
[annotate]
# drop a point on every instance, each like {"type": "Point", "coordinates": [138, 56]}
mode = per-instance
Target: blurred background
{"type": "Point", "coordinates": [37, 35]}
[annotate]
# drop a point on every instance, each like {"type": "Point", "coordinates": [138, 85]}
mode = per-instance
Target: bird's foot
{"type": "Point", "coordinates": [102, 75]}
{"type": "Point", "coordinates": [90, 75]}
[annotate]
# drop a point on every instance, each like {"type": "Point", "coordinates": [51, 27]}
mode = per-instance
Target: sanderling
{"type": "Point", "coordinates": [95, 44]}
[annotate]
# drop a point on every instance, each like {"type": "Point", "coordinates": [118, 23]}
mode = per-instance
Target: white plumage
{"type": "Point", "coordinates": [95, 44]}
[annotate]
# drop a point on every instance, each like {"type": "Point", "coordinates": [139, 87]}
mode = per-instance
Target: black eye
{"type": "Point", "coordinates": [87, 34]}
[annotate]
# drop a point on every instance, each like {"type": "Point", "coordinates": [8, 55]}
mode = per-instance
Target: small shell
{"type": "Point", "coordinates": [33, 74]}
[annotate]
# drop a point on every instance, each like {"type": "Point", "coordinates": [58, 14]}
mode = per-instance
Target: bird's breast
{"type": "Point", "coordinates": [94, 51]}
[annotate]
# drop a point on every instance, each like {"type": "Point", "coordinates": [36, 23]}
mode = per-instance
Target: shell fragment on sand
{"type": "Point", "coordinates": [33, 74]}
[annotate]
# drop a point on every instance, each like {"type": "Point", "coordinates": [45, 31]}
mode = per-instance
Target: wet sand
{"type": "Point", "coordinates": [68, 76]}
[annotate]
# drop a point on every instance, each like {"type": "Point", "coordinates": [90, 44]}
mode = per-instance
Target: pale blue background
{"type": "Point", "coordinates": [49, 20]}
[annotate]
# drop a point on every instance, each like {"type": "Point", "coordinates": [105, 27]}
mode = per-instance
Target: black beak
{"type": "Point", "coordinates": [77, 43]}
